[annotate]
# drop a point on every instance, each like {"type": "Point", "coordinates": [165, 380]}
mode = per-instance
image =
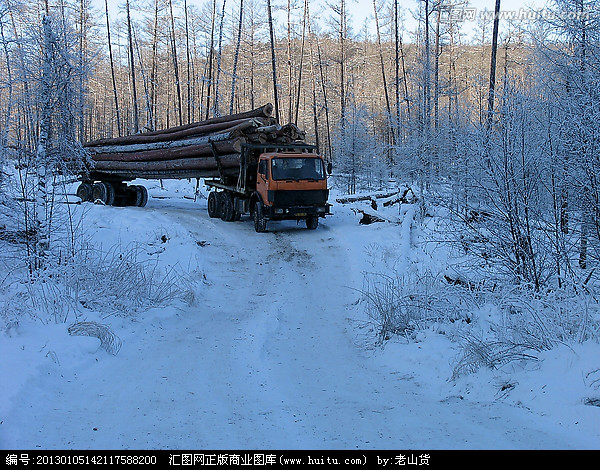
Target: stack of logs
{"type": "Point", "coordinates": [194, 146]}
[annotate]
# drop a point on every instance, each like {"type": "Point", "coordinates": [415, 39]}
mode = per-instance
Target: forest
{"type": "Point", "coordinates": [497, 129]}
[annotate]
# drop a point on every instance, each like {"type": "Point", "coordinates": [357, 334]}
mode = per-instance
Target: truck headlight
{"type": "Point", "coordinates": [320, 209]}
{"type": "Point", "coordinates": [279, 211]}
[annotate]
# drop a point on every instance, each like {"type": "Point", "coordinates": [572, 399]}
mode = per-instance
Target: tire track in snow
{"type": "Point", "coordinates": [266, 359]}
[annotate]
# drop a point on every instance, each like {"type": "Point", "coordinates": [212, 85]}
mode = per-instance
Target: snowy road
{"type": "Point", "coordinates": [270, 356]}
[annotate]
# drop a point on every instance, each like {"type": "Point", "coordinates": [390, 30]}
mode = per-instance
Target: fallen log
{"type": "Point", "coordinates": [196, 163]}
{"type": "Point", "coordinates": [368, 218]}
{"type": "Point", "coordinates": [201, 150]}
{"type": "Point", "coordinates": [365, 197]}
{"type": "Point", "coordinates": [406, 196]}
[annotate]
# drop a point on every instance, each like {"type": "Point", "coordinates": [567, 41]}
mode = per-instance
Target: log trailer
{"type": "Point", "coordinates": [251, 165]}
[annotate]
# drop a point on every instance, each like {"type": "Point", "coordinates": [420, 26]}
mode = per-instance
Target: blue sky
{"type": "Point", "coordinates": [360, 10]}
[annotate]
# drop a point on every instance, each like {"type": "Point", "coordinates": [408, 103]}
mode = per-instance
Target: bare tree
{"type": "Point", "coordinates": [493, 64]}
{"type": "Point", "coordinates": [175, 65]}
{"type": "Point", "coordinates": [216, 111]}
{"type": "Point", "coordinates": [136, 124]}
{"type": "Point", "coordinates": [299, 88]}
{"type": "Point", "coordinates": [382, 64]}
{"type": "Point", "coordinates": [112, 71]}
{"type": "Point", "coordinates": [211, 47]}
{"type": "Point", "coordinates": [273, 61]}
{"type": "Point", "coordinates": [236, 55]}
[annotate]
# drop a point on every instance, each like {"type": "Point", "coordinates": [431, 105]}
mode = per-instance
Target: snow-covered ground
{"type": "Point", "coordinates": [274, 351]}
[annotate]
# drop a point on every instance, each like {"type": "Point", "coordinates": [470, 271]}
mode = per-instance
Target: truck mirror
{"type": "Point", "coordinates": [329, 168]}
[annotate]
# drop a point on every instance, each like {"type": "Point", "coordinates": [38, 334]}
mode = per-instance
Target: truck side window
{"type": "Point", "coordinates": [262, 167]}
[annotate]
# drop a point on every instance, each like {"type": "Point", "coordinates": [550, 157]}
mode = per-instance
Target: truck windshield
{"type": "Point", "coordinates": [301, 168]}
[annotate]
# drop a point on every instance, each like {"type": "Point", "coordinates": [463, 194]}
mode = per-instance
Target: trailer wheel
{"type": "Point", "coordinates": [227, 209]}
{"type": "Point", "coordinates": [213, 205]}
{"type": "Point", "coordinates": [312, 222]}
{"type": "Point", "coordinates": [260, 223]}
{"type": "Point", "coordinates": [130, 196]}
{"type": "Point", "coordinates": [85, 192]}
{"type": "Point", "coordinates": [141, 195]}
{"type": "Point", "coordinates": [104, 192]}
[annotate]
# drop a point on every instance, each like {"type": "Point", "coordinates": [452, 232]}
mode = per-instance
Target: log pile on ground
{"type": "Point", "coordinates": [195, 146]}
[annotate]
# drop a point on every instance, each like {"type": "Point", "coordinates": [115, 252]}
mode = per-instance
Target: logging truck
{"type": "Point", "coordinates": [275, 182]}
{"type": "Point", "coordinates": [251, 164]}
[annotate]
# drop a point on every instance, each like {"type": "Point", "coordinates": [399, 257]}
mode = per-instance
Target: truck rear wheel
{"type": "Point", "coordinates": [213, 205]}
{"type": "Point", "coordinates": [227, 209]}
{"type": "Point", "coordinates": [104, 192]}
{"type": "Point", "coordinates": [312, 222]}
{"type": "Point", "coordinates": [260, 223]}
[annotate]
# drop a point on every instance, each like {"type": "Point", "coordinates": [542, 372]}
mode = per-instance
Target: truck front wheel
{"type": "Point", "coordinates": [260, 223]}
{"type": "Point", "coordinates": [312, 222]}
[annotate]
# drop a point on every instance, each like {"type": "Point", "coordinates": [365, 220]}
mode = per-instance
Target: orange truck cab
{"type": "Point", "coordinates": [274, 183]}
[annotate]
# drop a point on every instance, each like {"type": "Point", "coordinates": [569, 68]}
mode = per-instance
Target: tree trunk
{"type": "Point", "coordinates": [188, 63]}
{"type": "Point", "coordinates": [492, 85]}
{"type": "Point", "coordinates": [210, 57]}
{"type": "Point", "coordinates": [297, 107]}
{"type": "Point", "coordinates": [41, 222]}
{"type": "Point", "coordinates": [381, 63]}
{"type": "Point", "coordinates": [175, 65]}
{"type": "Point", "coordinates": [273, 63]}
{"type": "Point", "coordinates": [436, 70]}
{"type": "Point", "coordinates": [289, 59]}
{"type": "Point", "coordinates": [136, 124]}
{"type": "Point", "coordinates": [342, 59]}
{"type": "Point", "coordinates": [216, 111]}
{"type": "Point", "coordinates": [112, 71]}
{"type": "Point", "coordinates": [235, 58]}
{"type": "Point", "coordinates": [325, 101]}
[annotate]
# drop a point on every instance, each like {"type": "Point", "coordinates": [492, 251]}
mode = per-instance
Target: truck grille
{"type": "Point", "coordinates": [298, 198]}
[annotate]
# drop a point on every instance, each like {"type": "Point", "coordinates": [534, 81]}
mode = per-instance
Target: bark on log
{"type": "Point", "coordinates": [198, 163]}
{"type": "Point", "coordinates": [201, 150]}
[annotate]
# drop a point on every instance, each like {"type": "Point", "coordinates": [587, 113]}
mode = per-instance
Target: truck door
{"type": "Point", "coordinates": [262, 179]}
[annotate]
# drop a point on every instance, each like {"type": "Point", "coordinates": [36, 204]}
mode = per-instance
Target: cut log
{"type": "Point", "coordinates": [160, 145]}
{"type": "Point", "coordinates": [229, 126]}
{"type": "Point", "coordinates": [198, 163]}
{"type": "Point", "coordinates": [292, 131]}
{"type": "Point", "coordinates": [201, 150]}
{"type": "Point", "coordinates": [265, 111]}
